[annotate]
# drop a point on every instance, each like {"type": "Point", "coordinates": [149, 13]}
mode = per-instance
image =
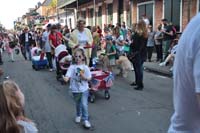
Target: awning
{"type": "Point", "coordinates": [61, 5]}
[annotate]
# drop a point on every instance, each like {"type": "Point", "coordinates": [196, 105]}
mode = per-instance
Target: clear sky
{"type": "Point", "coordinates": [10, 10]}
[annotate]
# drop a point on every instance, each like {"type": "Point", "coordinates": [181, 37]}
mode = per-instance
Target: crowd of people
{"type": "Point", "coordinates": [121, 46]}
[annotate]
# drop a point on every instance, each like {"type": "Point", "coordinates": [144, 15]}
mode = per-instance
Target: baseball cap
{"type": "Point", "coordinates": [108, 37]}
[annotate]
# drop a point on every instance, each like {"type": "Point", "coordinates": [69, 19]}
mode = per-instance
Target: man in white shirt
{"type": "Point", "coordinates": [186, 118]}
{"type": "Point", "coordinates": [146, 20]}
{"type": "Point", "coordinates": [26, 43]}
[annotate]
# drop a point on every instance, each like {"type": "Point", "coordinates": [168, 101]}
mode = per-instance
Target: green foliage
{"type": "Point", "coordinates": [53, 3]}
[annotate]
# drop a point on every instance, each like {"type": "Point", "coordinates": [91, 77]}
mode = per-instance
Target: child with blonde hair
{"type": "Point", "coordinates": [79, 75]}
{"type": "Point", "coordinates": [12, 110]}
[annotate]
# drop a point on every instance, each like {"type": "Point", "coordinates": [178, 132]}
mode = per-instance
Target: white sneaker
{"type": "Point", "coordinates": [78, 119]}
{"type": "Point", "coordinates": [162, 64]}
{"type": "Point", "coordinates": [132, 68]}
{"type": "Point", "coordinates": [86, 124]}
{"type": "Point", "coordinates": [50, 70]}
{"type": "Point", "coordinates": [171, 69]}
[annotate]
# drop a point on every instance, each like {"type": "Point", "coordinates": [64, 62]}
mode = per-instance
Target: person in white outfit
{"type": "Point", "coordinates": [79, 74]}
{"type": "Point", "coordinates": [186, 92]}
{"type": "Point", "coordinates": [47, 47]}
{"type": "Point", "coordinates": [12, 110]}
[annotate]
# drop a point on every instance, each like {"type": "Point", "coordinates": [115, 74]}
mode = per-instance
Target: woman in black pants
{"type": "Point", "coordinates": [138, 53]}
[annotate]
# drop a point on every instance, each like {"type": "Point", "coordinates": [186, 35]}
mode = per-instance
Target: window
{"type": "Point", "coordinates": [147, 10]}
{"type": "Point", "coordinates": [110, 13]}
{"type": "Point", "coordinates": [199, 5]}
{"type": "Point", "coordinates": [99, 16]}
{"type": "Point", "coordinates": [70, 23]}
{"type": "Point", "coordinates": [61, 20]}
{"type": "Point", "coordinates": [120, 10]}
{"type": "Point", "coordinates": [128, 15]}
{"type": "Point", "coordinates": [91, 13]}
{"type": "Point", "coordinates": [172, 12]}
{"type": "Point", "coordinates": [84, 14]}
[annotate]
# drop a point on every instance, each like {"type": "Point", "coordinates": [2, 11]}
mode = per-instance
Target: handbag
{"type": "Point", "coordinates": [131, 56]}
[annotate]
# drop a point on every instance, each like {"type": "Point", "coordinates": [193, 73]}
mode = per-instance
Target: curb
{"type": "Point", "coordinates": [159, 72]}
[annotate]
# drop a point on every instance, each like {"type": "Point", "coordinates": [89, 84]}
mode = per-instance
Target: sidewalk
{"type": "Point", "coordinates": [155, 68]}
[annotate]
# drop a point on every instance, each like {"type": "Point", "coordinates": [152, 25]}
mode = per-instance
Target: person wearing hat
{"type": "Point", "coordinates": [81, 37]}
{"type": "Point", "coordinates": [47, 47]}
{"type": "Point", "coordinates": [55, 39]}
{"type": "Point", "coordinates": [25, 42]}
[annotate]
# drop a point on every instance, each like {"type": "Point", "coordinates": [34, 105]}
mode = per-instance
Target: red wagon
{"type": "Point", "coordinates": [101, 81]}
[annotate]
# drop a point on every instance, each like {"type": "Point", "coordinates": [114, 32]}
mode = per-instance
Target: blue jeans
{"type": "Point", "coordinates": [28, 50]}
{"type": "Point", "coordinates": [81, 100]}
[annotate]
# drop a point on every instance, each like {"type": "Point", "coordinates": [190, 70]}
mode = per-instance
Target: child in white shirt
{"type": "Point", "coordinates": [79, 75]}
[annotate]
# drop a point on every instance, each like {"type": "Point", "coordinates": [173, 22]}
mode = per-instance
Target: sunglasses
{"type": "Point", "coordinates": [78, 56]}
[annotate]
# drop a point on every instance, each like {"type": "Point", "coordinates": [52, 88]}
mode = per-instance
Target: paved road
{"type": "Point", "coordinates": [51, 106]}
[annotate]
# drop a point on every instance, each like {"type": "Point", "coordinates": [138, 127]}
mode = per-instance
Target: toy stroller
{"type": "Point", "coordinates": [101, 81]}
{"type": "Point", "coordinates": [63, 61]}
{"type": "Point", "coordinates": [39, 59]}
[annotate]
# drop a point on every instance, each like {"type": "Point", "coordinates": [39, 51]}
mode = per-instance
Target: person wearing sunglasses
{"type": "Point", "coordinates": [79, 75]}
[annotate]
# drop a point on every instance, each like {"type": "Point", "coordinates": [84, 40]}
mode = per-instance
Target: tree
{"type": "Point", "coordinates": [53, 3]}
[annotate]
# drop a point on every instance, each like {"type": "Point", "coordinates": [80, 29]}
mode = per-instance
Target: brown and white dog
{"type": "Point", "coordinates": [124, 65]}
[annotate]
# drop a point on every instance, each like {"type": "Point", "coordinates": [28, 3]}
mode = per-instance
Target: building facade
{"type": "Point", "coordinates": [100, 12]}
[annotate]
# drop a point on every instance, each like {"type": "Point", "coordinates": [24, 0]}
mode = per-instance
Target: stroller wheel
{"type": "Point", "coordinates": [92, 98]}
{"type": "Point", "coordinates": [62, 82]}
{"type": "Point", "coordinates": [58, 77]}
{"type": "Point", "coordinates": [33, 66]}
{"type": "Point", "coordinates": [36, 68]}
{"type": "Point", "coordinates": [107, 95]}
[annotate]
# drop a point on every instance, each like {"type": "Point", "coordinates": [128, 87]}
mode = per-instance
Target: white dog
{"type": "Point", "coordinates": [124, 65]}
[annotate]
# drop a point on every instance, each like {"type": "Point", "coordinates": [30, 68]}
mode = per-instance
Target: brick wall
{"type": "Point", "coordinates": [134, 12]}
{"type": "Point", "coordinates": [192, 9]}
{"type": "Point", "coordinates": [158, 13]}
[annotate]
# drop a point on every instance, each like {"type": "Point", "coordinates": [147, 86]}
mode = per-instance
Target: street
{"type": "Point", "coordinates": [50, 105]}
